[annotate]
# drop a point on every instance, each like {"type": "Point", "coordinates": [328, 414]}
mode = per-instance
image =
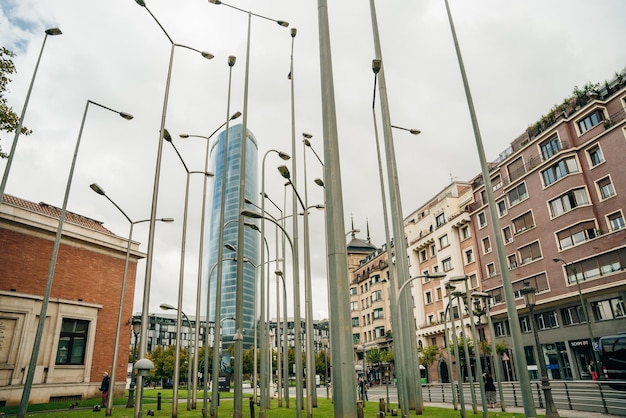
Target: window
{"type": "Point", "coordinates": [482, 220]}
{"type": "Point", "coordinates": [582, 232]}
{"type": "Point", "coordinates": [375, 279]}
{"type": "Point", "coordinates": [573, 315]}
{"type": "Point", "coordinates": [447, 264]}
{"type": "Point", "coordinates": [559, 170]}
{"type": "Point", "coordinates": [433, 250]}
{"type": "Point", "coordinates": [530, 252]}
{"type": "Point", "coordinates": [593, 267]}
{"type": "Point", "coordinates": [379, 332]}
{"type": "Point", "coordinates": [496, 183]}
{"type": "Point", "coordinates": [523, 222]}
{"type": "Point", "coordinates": [591, 120]}
{"type": "Point", "coordinates": [568, 201]}
{"type": "Point", "coordinates": [443, 241]}
{"type": "Point", "coordinates": [473, 281]}
{"type": "Point", "coordinates": [469, 256]}
{"type": "Point", "coordinates": [440, 220]}
{"type": "Point", "coordinates": [512, 261]}
{"type": "Point", "coordinates": [595, 155]}
{"type": "Point", "coordinates": [465, 232]}
{"type": "Point", "coordinates": [72, 341]}
{"type": "Point", "coordinates": [606, 188]}
{"type": "Point", "coordinates": [355, 321]}
{"type": "Point", "coordinates": [486, 245]}
{"type": "Point", "coordinates": [616, 221]}
{"type": "Point", "coordinates": [501, 328]}
{"type": "Point", "coordinates": [428, 297]}
{"type": "Point", "coordinates": [550, 147]}
{"type": "Point", "coordinates": [506, 234]}
{"type": "Point", "coordinates": [491, 270]}
{"type": "Point", "coordinates": [377, 295]}
{"type": "Point", "coordinates": [438, 293]}
{"type": "Point", "coordinates": [353, 291]}
{"type": "Point", "coordinates": [378, 313]}
{"type": "Point", "coordinates": [524, 322]}
{"type": "Point", "coordinates": [501, 208]}
{"type": "Point", "coordinates": [517, 194]}
{"type": "Point", "coordinates": [547, 320]}
{"type": "Point", "coordinates": [423, 256]}
{"type": "Point", "coordinates": [608, 309]}
{"type": "Point", "coordinates": [354, 306]}
{"type": "Point", "coordinates": [356, 338]}
{"type": "Point", "coordinates": [516, 169]}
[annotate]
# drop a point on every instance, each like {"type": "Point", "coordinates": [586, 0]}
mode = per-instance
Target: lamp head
{"type": "Point", "coordinates": [279, 273]}
{"type": "Point", "coordinates": [294, 31]}
{"type": "Point", "coordinates": [252, 226]}
{"type": "Point", "coordinates": [167, 307]}
{"type": "Point", "coordinates": [480, 294]}
{"type": "Point", "coordinates": [376, 64]}
{"type": "Point", "coordinates": [141, 3]}
{"type": "Point", "coordinates": [319, 182]}
{"type": "Point", "coordinates": [231, 60]}
{"type": "Point", "coordinates": [97, 189]}
{"type": "Point", "coordinates": [284, 155]}
{"type": "Point", "coordinates": [126, 116]}
{"type": "Point", "coordinates": [436, 275]}
{"type": "Point", "coordinates": [306, 142]}
{"type": "Point", "coordinates": [167, 220]}
{"type": "Point", "coordinates": [184, 136]}
{"type": "Point", "coordinates": [207, 55]}
{"type": "Point", "coordinates": [415, 131]}
{"type": "Point", "coordinates": [307, 136]}
{"type": "Point", "coordinates": [167, 136]}
{"type": "Point", "coordinates": [556, 260]}
{"type": "Point", "coordinates": [284, 171]}
{"type": "Point", "coordinates": [283, 24]}
{"type": "Point", "coordinates": [215, 1]}
{"type": "Point", "coordinates": [53, 31]}
{"type": "Point", "coordinates": [457, 279]}
{"type": "Point", "coordinates": [251, 214]}
{"type": "Point", "coordinates": [230, 246]}
{"type": "Point", "coordinates": [529, 294]}
{"type": "Point", "coordinates": [236, 114]}
{"type": "Point", "coordinates": [320, 206]}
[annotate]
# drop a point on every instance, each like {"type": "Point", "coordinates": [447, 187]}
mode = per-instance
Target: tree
{"type": "Point", "coordinates": [8, 118]}
{"type": "Point", "coordinates": [429, 355]}
{"type": "Point", "coordinates": [373, 356]}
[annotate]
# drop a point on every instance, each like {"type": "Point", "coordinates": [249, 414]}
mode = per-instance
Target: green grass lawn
{"type": "Point", "coordinates": [324, 408]}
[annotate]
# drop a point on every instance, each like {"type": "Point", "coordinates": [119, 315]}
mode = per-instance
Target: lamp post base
{"type": "Point", "coordinates": [551, 411]}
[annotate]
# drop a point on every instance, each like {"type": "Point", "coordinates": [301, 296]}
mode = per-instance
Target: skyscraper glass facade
{"type": "Point", "coordinates": [231, 174]}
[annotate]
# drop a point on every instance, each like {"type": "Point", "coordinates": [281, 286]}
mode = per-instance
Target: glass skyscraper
{"type": "Point", "coordinates": [251, 238]}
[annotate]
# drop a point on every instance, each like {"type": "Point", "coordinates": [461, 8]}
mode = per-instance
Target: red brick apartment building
{"type": "Point", "coordinates": [560, 191]}
{"type": "Point", "coordinates": [81, 320]}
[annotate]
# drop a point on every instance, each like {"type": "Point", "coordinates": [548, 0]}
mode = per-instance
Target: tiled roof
{"type": "Point", "coordinates": [55, 212]}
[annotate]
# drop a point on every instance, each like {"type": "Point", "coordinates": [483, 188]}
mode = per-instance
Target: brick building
{"type": "Point", "coordinates": [81, 319]}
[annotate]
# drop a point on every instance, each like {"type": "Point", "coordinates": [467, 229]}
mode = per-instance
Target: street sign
{"type": "Point", "coordinates": [596, 346]}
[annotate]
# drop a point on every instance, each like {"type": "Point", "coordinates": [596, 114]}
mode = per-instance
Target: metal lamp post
{"type": "Point", "coordinates": [468, 365]}
{"type": "Point", "coordinates": [18, 128]}
{"type": "Point", "coordinates": [155, 198]}
{"type": "Point", "coordinates": [494, 354]}
{"type": "Point", "coordinates": [201, 254]}
{"type": "Point", "coordinates": [118, 330]}
{"type": "Point", "coordinates": [516, 333]}
{"type": "Point", "coordinates": [459, 373]}
{"type": "Point", "coordinates": [238, 380]}
{"type": "Point", "coordinates": [596, 355]}
{"type": "Point", "coordinates": [530, 299]}
{"type": "Point", "coordinates": [179, 312]}
{"type": "Point", "coordinates": [131, 390]}
{"type": "Point", "coordinates": [28, 383]}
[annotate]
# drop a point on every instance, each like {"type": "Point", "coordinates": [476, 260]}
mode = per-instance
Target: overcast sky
{"type": "Point", "coordinates": [521, 57]}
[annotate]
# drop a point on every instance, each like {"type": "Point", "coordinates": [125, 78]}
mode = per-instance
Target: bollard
{"type": "Point", "coordinates": [359, 409]}
{"type": "Point", "coordinates": [380, 414]}
{"type": "Point", "coordinates": [158, 401]}
{"type": "Point", "coordinates": [394, 412]}
{"type": "Point", "coordinates": [251, 408]}
{"type": "Point", "coordinates": [381, 405]}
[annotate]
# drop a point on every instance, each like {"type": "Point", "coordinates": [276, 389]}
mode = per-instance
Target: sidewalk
{"type": "Point", "coordinates": [564, 413]}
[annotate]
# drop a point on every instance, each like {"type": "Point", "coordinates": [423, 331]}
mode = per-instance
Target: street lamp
{"type": "Point", "coordinates": [136, 330]}
{"type": "Point", "coordinates": [402, 268]}
{"type": "Point", "coordinates": [238, 395]}
{"type": "Point", "coordinates": [28, 383]}
{"type": "Point", "coordinates": [530, 299]}
{"type": "Point", "coordinates": [596, 355]}
{"type": "Point", "coordinates": [168, 138]}
{"type": "Point", "coordinates": [201, 252]}
{"type": "Point", "coordinates": [507, 287]}
{"type": "Point", "coordinates": [459, 374]}
{"type": "Point", "coordinates": [120, 313]}
{"type": "Point", "coordinates": [155, 196]}
{"type": "Point", "coordinates": [479, 367]}
{"type": "Point", "coordinates": [18, 128]}
{"type": "Point", "coordinates": [179, 312]}
{"type": "Point", "coordinates": [494, 354]}
{"type": "Point", "coordinates": [403, 396]}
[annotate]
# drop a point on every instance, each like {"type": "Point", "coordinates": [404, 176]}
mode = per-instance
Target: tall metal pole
{"type": "Point", "coordinates": [516, 333]}
{"type": "Point", "coordinates": [457, 352]}
{"type": "Point", "coordinates": [468, 364]}
{"type": "Point", "coordinates": [220, 252]}
{"type": "Point", "coordinates": [18, 128]}
{"type": "Point", "coordinates": [446, 312]}
{"type": "Point", "coordinates": [339, 299]}
{"type": "Point", "coordinates": [30, 374]}
{"type": "Point", "coordinates": [393, 283]}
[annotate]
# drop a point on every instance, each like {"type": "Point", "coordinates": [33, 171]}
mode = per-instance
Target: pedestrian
{"type": "Point", "coordinates": [104, 388]}
{"type": "Point", "coordinates": [592, 370]}
{"type": "Point", "coordinates": [366, 386]}
{"type": "Point", "coordinates": [490, 389]}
